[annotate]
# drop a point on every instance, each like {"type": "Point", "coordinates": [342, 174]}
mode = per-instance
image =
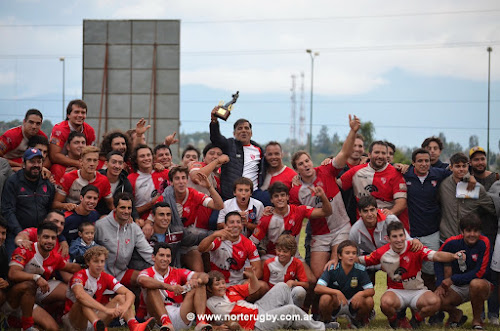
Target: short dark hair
{"type": "Point", "coordinates": [88, 188]}
{"type": "Point", "coordinates": [73, 135]}
{"type": "Point", "coordinates": [419, 151]}
{"type": "Point", "coordinates": [243, 181]}
{"type": "Point", "coordinates": [278, 187]}
{"type": "Point", "coordinates": [344, 244]}
{"type": "Point", "coordinates": [110, 154]}
{"type": "Point", "coordinates": [470, 221]}
{"type": "Point", "coordinates": [209, 147]}
{"type": "Point", "coordinates": [38, 140]}
{"type": "Point", "coordinates": [231, 213]}
{"type": "Point", "coordinates": [161, 146]}
{"type": "Point", "coordinates": [161, 204]}
{"type": "Point", "coordinates": [84, 224]}
{"type": "Point", "coordinates": [367, 201]}
{"type": "Point", "coordinates": [391, 145]}
{"type": "Point", "coordinates": [273, 143]}
{"type": "Point", "coordinates": [77, 102]}
{"type": "Point", "coordinates": [459, 158]}
{"type": "Point", "coordinates": [46, 226]}
{"type": "Point", "coordinates": [241, 120]}
{"type": "Point", "coordinates": [296, 156]}
{"type": "Point", "coordinates": [175, 170]}
{"type": "Point", "coordinates": [53, 211]}
{"type": "Point", "coordinates": [435, 139]}
{"type": "Point", "coordinates": [125, 196]}
{"type": "Point", "coordinates": [159, 245]}
{"type": "Point", "coordinates": [376, 142]}
{"type": "Point", "coordinates": [394, 226]}
{"type": "Point", "coordinates": [133, 158]}
{"type": "Point", "coordinates": [191, 148]}
{"type": "Point", "coordinates": [33, 111]}
{"type": "Point", "coordinates": [213, 276]}
{"type": "Point", "coordinates": [3, 222]}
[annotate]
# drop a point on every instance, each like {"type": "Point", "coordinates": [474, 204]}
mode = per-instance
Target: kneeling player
{"type": "Point", "coordinates": [404, 281]}
{"type": "Point", "coordinates": [163, 287]}
{"type": "Point", "coordinates": [346, 288]}
{"type": "Point", "coordinates": [466, 283]}
{"type": "Point", "coordinates": [86, 306]}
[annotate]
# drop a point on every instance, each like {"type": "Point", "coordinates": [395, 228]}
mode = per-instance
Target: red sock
{"type": "Point", "coordinates": [393, 318]}
{"type": "Point", "coordinates": [131, 323]}
{"type": "Point", "coordinates": [27, 322]}
{"type": "Point", "coordinates": [418, 317]}
{"type": "Point", "coordinates": [165, 319]}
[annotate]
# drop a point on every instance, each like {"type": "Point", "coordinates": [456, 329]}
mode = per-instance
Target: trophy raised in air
{"type": "Point", "coordinates": [224, 111]}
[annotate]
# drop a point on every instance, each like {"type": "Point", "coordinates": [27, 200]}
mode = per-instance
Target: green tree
{"type": "Point", "coordinates": [368, 131]}
{"type": "Point", "coordinates": [323, 143]}
{"type": "Point", "coordinates": [473, 141]}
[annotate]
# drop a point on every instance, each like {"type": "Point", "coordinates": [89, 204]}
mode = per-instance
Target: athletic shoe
{"type": "Point", "coordinates": [148, 325]}
{"type": "Point", "coordinates": [403, 323]}
{"type": "Point", "coordinates": [167, 327]}
{"type": "Point", "coordinates": [202, 326]}
{"type": "Point", "coordinates": [415, 324]}
{"type": "Point", "coordinates": [494, 321]}
{"type": "Point", "coordinates": [100, 326]}
{"type": "Point", "coordinates": [437, 318]}
{"type": "Point", "coordinates": [332, 325]}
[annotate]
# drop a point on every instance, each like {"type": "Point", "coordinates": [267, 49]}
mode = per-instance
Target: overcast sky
{"type": "Point", "coordinates": [413, 68]}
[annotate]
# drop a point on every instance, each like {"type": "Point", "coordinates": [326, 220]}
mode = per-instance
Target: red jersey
{"type": "Point", "coordinates": [58, 171]}
{"type": "Point", "coordinates": [174, 276]}
{"type": "Point", "coordinates": [146, 186]}
{"type": "Point", "coordinates": [72, 184]}
{"type": "Point", "coordinates": [192, 212]}
{"type": "Point", "coordinates": [33, 237]}
{"type": "Point", "coordinates": [386, 185]}
{"type": "Point", "coordinates": [304, 195]}
{"type": "Point", "coordinates": [234, 303]}
{"type": "Point", "coordinates": [403, 269]}
{"type": "Point", "coordinates": [94, 287]}
{"type": "Point", "coordinates": [230, 258]}
{"type": "Point", "coordinates": [34, 263]}
{"type": "Point", "coordinates": [275, 272]}
{"type": "Point", "coordinates": [61, 131]}
{"type": "Point", "coordinates": [13, 143]}
{"type": "Point", "coordinates": [285, 175]}
{"type": "Point", "coordinates": [274, 225]}
{"type": "Point", "coordinates": [213, 178]}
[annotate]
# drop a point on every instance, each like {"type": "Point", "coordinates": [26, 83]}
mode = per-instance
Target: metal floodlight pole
{"type": "Point", "coordinates": [489, 49]}
{"type": "Point", "coordinates": [312, 55]}
{"type": "Point", "coordinates": [62, 59]}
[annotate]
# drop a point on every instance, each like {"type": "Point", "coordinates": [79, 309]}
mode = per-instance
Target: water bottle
{"type": "Point", "coordinates": [186, 288]}
{"type": "Point", "coordinates": [461, 262]}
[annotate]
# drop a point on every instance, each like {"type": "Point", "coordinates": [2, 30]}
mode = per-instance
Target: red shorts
{"type": "Point", "coordinates": [125, 281]}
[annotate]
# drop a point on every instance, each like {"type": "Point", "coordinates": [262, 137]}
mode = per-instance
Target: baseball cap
{"type": "Point", "coordinates": [475, 150]}
{"type": "Point", "coordinates": [31, 153]}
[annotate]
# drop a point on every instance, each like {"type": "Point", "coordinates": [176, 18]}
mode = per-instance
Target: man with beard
{"type": "Point", "coordinates": [115, 141]}
{"type": "Point", "coordinates": [26, 197]}
{"type": "Point", "coordinates": [379, 179]}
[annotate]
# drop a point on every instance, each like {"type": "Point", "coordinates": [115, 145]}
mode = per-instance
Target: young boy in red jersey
{"type": "Point", "coordinates": [86, 306]}
{"type": "Point", "coordinates": [286, 268]}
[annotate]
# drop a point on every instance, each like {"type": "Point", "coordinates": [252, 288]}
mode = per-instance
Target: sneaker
{"type": "Point", "coordinates": [393, 324]}
{"type": "Point", "coordinates": [148, 325]}
{"type": "Point", "coordinates": [415, 324]}
{"type": "Point", "coordinates": [403, 323]}
{"type": "Point", "coordinates": [202, 326]}
{"type": "Point", "coordinates": [332, 325]}
{"type": "Point", "coordinates": [437, 318]}
{"type": "Point", "coordinates": [167, 327]}
{"type": "Point", "coordinates": [494, 321]}
{"type": "Point", "coordinates": [354, 323]}
{"type": "Point", "coordinates": [100, 326]}
{"type": "Point", "coordinates": [372, 315]}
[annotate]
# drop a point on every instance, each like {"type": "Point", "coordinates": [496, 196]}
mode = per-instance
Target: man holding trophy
{"type": "Point", "coordinates": [245, 155]}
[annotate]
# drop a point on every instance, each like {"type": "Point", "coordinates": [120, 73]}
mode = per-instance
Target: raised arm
{"type": "Point", "coordinates": [326, 207]}
{"type": "Point", "coordinates": [348, 146]}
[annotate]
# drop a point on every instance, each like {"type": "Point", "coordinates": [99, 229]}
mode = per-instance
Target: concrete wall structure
{"type": "Point", "coordinates": [137, 51]}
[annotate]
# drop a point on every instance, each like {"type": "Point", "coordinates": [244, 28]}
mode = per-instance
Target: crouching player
{"type": "Point", "coordinates": [163, 287]}
{"type": "Point", "coordinates": [286, 268]}
{"type": "Point", "coordinates": [32, 271]}
{"type": "Point", "coordinates": [458, 284]}
{"type": "Point", "coordinates": [404, 280]}
{"type": "Point", "coordinates": [346, 288]}
{"type": "Point", "coordinates": [230, 303]}
{"type": "Point", "coordinates": [87, 308]}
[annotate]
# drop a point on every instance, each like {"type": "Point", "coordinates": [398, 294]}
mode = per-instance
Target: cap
{"type": "Point", "coordinates": [31, 153]}
{"type": "Point", "coordinates": [475, 150]}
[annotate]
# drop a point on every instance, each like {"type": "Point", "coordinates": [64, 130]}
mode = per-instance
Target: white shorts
{"type": "Point", "coordinates": [344, 310]}
{"type": "Point", "coordinates": [52, 286]}
{"type": "Point", "coordinates": [7, 310]}
{"type": "Point", "coordinates": [174, 312]}
{"type": "Point", "coordinates": [408, 298]}
{"type": "Point", "coordinates": [325, 242]}
{"type": "Point", "coordinates": [68, 326]}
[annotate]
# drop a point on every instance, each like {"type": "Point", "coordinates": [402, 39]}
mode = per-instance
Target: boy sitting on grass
{"type": "Point", "coordinates": [286, 268]}
{"type": "Point", "coordinates": [346, 288]}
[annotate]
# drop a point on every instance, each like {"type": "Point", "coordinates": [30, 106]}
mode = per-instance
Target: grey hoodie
{"type": "Point", "coordinates": [120, 242]}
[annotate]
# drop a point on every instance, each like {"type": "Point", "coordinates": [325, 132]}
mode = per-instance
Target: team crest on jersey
{"type": "Point", "coordinates": [173, 282]}
{"type": "Point", "coordinates": [44, 188]}
{"type": "Point", "coordinates": [434, 183]}
{"type": "Point", "coordinates": [291, 222]}
{"type": "Point", "coordinates": [240, 254]}
{"type": "Point", "coordinates": [252, 156]}
{"type": "Point", "coordinates": [57, 133]}
{"type": "Point", "coordinates": [187, 209]}
{"type": "Point", "coordinates": [233, 293]}
{"type": "Point", "coordinates": [22, 189]}
{"type": "Point", "coordinates": [383, 180]}
{"type": "Point", "coordinates": [127, 241]}
{"type": "Point", "coordinates": [292, 273]}
{"type": "Point", "coordinates": [406, 259]}
{"type": "Point", "coordinates": [99, 286]}
{"type": "Point", "coordinates": [474, 257]}
{"type": "Point", "coordinates": [354, 282]}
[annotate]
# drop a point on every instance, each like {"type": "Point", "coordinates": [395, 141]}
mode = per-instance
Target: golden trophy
{"type": "Point", "coordinates": [224, 111]}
